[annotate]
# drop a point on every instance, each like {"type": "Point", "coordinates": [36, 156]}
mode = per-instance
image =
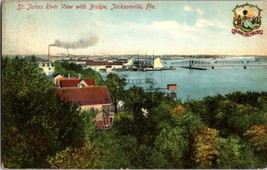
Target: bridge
{"type": "Point", "coordinates": [217, 63]}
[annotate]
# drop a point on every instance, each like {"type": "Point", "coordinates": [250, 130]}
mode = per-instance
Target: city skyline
{"type": "Point", "coordinates": [173, 27]}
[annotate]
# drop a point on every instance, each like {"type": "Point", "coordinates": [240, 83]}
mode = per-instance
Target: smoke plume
{"type": "Point", "coordinates": [81, 43]}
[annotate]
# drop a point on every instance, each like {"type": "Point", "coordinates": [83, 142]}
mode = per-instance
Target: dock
{"type": "Point", "coordinates": [141, 81]}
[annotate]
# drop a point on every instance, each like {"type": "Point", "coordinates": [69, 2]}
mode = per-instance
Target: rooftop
{"type": "Point", "coordinates": [94, 95]}
{"type": "Point", "coordinates": [70, 82]}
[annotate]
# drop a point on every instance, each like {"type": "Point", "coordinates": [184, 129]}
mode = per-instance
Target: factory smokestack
{"type": "Point", "coordinates": [48, 55]}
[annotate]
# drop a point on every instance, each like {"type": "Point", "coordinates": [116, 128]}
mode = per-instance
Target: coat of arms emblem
{"type": "Point", "coordinates": [247, 20]}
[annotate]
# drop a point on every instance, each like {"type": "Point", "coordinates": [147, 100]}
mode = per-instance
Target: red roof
{"type": "Point", "coordinates": [89, 82]}
{"type": "Point", "coordinates": [86, 96]}
{"type": "Point", "coordinates": [75, 82]}
{"type": "Point", "coordinates": [63, 78]}
{"type": "Point", "coordinates": [69, 82]}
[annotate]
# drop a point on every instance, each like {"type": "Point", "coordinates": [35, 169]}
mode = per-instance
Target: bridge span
{"type": "Point", "coordinates": [209, 63]}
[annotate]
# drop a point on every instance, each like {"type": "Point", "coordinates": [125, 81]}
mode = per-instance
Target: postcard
{"type": "Point", "coordinates": [134, 84]}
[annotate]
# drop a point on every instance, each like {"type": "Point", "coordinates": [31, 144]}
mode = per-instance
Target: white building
{"type": "Point", "coordinates": [47, 67]}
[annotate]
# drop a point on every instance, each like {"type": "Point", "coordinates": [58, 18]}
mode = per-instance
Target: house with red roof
{"type": "Point", "coordinates": [57, 78]}
{"type": "Point", "coordinates": [91, 97]}
{"type": "Point", "coordinates": [87, 82]}
{"type": "Point", "coordinates": [68, 83]}
{"type": "Point", "coordinates": [63, 82]}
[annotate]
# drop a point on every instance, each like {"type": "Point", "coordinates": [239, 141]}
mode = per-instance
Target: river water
{"type": "Point", "coordinates": [196, 84]}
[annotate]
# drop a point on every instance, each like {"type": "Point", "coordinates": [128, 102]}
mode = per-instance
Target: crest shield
{"type": "Point", "coordinates": [247, 17]}
{"type": "Point", "coordinates": [247, 20]}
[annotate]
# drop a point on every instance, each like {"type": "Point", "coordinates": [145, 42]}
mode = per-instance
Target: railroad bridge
{"type": "Point", "coordinates": [217, 63]}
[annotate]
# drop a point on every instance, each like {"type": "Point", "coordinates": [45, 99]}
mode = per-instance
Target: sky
{"type": "Point", "coordinates": [173, 27]}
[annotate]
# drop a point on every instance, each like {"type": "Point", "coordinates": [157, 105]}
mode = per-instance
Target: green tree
{"type": "Point", "coordinates": [134, 98]}
{"type": "Point", "coordinates": [171, 142]}
{"type": "Point", "coordinates": [248, 98]}
{"type": "Point", "coordinates": [144, 156]}
{"type": "Point", "coordinates": [234, 153]}
{"type": "Point", "coordinates": [148, 108]}
{"type": "Point", "coordinates": [35, 124]}
{"type": "Point", "coordinates": [116, 89]}
{"type": "Point", "coordinates": [65, 68]}
{"type": "Point", "coordinates": [90, 73]}
{"type": "Point", "coordinates": [243, 117]}
{"type": "Point", "coordinates": [124, 123]}
{"type": "Point", "coordinates": [84, 157]}
{"type": "Point", "coordinates": [114, 149]}
{"type": "Point", "coordinates": [190, 124]}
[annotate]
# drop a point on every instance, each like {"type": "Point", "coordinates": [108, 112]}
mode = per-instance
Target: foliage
{"type": "Point", "coordinates": [35, 123]}
{"type": "Point", "coordinates": [178, 110]}
{"type": "Point", "coordinates": [248, 98]}
{"type": "Point", "coordinates": [123, 123]}
{"type": "Point", "coordinates": [233, 153]}
{"type": "Point", "coordinates": [73, 70]}
{"type": "Point", "coordinates": [153, 131]}
{"type": "Point", "coordinates": [21, 76]}
{"type": "Point", "coordinates": [143, 156]}
{"type": "Point", "coordinates": [173, 144]}
{"type": "Point", "coordinates": [116, 89]}
{"type": "Point", "coordinates": [60, 69]}
{"type": "Point", "coordinates": [134, 98]}
{"type": "Point", "coordinates": [114, 150]}
{"type": "Point", "coordinates": [205, 147]}
{"type": "Point", "coordinates": [258, 136]}
{"type": "Point", "coordinates": [83, 157]}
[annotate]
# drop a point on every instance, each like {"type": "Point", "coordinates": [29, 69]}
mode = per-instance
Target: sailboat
{"type": "Point", "coordinates": [129, 63]}
{"type": "Point", "coordinates": [144, 65]}
{"type": "Point", "coordinates": [156, 66]}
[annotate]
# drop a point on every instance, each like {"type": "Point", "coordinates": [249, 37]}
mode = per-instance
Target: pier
{"type": "Point", "coordinates": [141, 81]}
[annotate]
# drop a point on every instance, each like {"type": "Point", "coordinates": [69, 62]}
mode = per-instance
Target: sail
{"type": "Point", "coordinates": [130, 62]}
{"type": "Point", "coordinates": [157, 63]}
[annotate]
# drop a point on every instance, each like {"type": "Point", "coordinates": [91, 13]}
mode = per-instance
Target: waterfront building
{"type": "Point", "coordinates": [47, 67]}
{"type": "Point", "coordinates": [104, 65]}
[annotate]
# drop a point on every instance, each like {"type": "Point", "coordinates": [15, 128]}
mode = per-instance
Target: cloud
{"type": "Point", "coordinates": [201, 23]}
{"type": "Point", "coordinates": [199, 11]}
{"type": "Point", "coordinates": [188, 8]}
{"type": "Point", "coordinates": [163, 28]}
{"type": "Point", "coordinates": [166, 36]}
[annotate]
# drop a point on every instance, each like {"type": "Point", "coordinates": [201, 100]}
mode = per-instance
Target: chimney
{"type": "Point", "coordinates": [68, 75]}
{"type": "Point", "coordinates": [79, 76]}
